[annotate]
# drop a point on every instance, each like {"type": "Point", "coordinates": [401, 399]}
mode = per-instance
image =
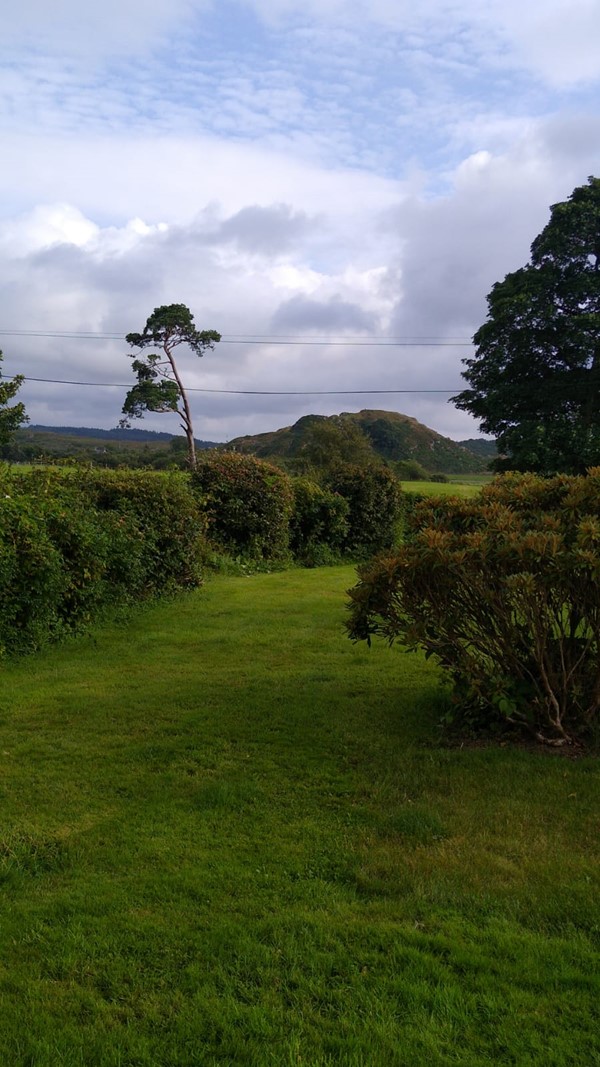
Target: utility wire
{"type": "Point", "coordinates": [252, 339]}
{"type": "Point", "coordinates": [247, 392]}
{"type": "Point", "coordinates": [238, 339]}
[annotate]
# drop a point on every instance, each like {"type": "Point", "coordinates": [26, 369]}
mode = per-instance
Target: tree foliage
{"type": "Point", "coordinates": [504, 591]}
{"type": "Point", "coordinates": [159, 386]}
{"type": "Point", "coordinates": [374, 501]}
{"type": "Point", "coordinates": [74, 542]}
{"type": "Point", "coordinates": [330, 441]}
{"type": "Point", "coordinates": [11, 415]}
{"type": "Point", "coordinates": [247, 503]}
{"type": "Point", "coordinates": [318, 523]}
{"type": "Point", "coordinates": [535, 378]}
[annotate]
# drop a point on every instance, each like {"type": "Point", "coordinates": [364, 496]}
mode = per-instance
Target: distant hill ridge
{"type": "Point", "coordinates": [364, 436]}
{"type": "Point", "coordinates": [481, 446]}
{"type": "Point", "coordinates": [117, 434]}
{"type": "Point", "coordinates": [382, 435]}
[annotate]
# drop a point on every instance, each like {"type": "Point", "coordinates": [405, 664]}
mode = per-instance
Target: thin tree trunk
{"type": "Point", "coordinates": [186, 414]}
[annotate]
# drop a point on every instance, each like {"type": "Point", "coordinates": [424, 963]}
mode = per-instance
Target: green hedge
{"type": "Point", "coordinates": [74, 542]}
{"type": "Point", "coordinates": [318, 523]}
{"type": "Point", "coordinates": [247, 502]}
{"type": "Point", "coordinates": [168, 515]}
{"type": "Point", "coordinates": [374, 498]}
{"type": "Point", "coordinates": [504, 591]}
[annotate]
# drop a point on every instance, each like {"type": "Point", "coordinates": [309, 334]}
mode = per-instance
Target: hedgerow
{"type": "Point", "coordinates": [32, 580]}
{"type": "Point", "coordinates": [505, 592]}
{"type": "Point", "coordinates": [247, 503]}
{"type": "Point", "coordinates": [374, 497]}
{"type": "Point", "coordinates": [74, 542]}
{"type": "Point", "coordinates": [318, 523]}
{"type": "Point", "coordinates": [168, 515]}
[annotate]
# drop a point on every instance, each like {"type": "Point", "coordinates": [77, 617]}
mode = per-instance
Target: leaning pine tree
{"type": "Point", "coordinates": [159, 386]}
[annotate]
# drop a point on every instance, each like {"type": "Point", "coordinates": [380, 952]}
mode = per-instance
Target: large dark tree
{"type": "Point", "coordinates": [159, 386]}
{"type": "Point", "coordinates": [11, 415]}
{"type": "Point", "coordinates": [535, 378]}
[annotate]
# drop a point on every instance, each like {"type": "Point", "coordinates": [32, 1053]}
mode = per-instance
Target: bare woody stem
{"type": "Point", "coordinates": [186, 414]}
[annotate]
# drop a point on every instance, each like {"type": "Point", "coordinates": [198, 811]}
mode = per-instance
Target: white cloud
{"type": "Point", "coordinates": [174, 177]}
{"type": "Point", "coordinates": [559, 39]}
{"type": "Point", "coordinates": [47, 225]}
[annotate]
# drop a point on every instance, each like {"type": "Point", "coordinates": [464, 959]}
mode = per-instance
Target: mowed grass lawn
{"type": "Point", "coordinates": [229, 836]}
{"type": "Point", "coordinates": [465, 486]}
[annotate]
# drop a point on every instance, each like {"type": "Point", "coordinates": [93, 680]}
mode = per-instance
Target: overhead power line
{"type": "Point", "coordinates": [248, 392]}
{"type": "Point", "coordinates": [273, 339]}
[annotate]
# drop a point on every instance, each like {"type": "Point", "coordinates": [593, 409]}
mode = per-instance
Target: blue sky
{"type": "Point", "coordinates": [334, 170]}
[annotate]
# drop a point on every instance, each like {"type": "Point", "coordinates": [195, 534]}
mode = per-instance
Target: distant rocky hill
{"type": "Point", "coordinates": [360, 436]}
{"type": "Point", "coordinates": [481, 446]}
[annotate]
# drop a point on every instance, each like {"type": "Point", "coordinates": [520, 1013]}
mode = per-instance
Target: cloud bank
{"type": "Point", "coordinates": [355, 173]}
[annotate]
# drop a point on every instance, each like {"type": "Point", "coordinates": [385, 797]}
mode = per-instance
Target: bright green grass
{"type": "Point", "coordinates": [454, 488]}
{"type": "Point", "coordinates": [471, 479]}
{"type": "Point", "coordinates": [230, 837]}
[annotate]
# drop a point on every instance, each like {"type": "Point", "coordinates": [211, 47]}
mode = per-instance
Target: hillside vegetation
{"type": "Point", "coordinates": [364, 436]}
{"type": "Point", "coordinates": [103, 448]}
{"type": "Point", "coordinates": [314, 442]}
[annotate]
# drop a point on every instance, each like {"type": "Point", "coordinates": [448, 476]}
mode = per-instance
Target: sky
{"type": "Point", "coordinates": [333, 185]}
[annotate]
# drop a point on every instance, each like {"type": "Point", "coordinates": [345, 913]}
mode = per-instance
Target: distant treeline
{"type": "Point", "coordinates": [116, 434]}
{"type": "Point", "coordinates": [314, 443]}
{"type": "Point", "coordinates": [111, 448]}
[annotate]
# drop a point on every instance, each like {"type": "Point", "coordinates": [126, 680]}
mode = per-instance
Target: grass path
{"type": "Point", "coordinates": [230, 837]}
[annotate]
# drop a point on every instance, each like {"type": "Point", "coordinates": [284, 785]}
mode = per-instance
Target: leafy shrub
{"type": "Point", "coordinates": [505, 592]}
{"type": "Point", "coordinates": [409, 503]}
{"type": "Point", "coordinates": [32, 580]}
{"type": "Point", "coordinates": [247, 502]}
{"type": "Point", "coordinates": [318, 523]}
{"type": "Point", "coordinates": [73, 542]}
{"type": "Point", "coordinates": [373, 496]}
{"type": "Point", "coordinates": [410, 470]}
{"type": "Point", "coordinates": [170, 521]}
